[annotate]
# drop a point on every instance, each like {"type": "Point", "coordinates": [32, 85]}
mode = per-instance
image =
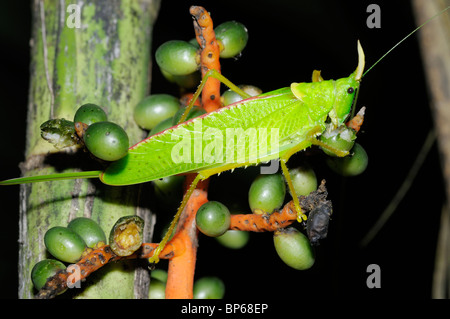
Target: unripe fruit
{"type": "Point", "coordinates": [177, 57]}
{"type": "Point", "coordinates": [89, 230]}
{"type": "Point", "coordinates": [90, 113]}
{"type": "Point", "coordinates": [64, 244]}
{"type": "Point", "coordinates": [351, 165]}
{"type": "Point", "coordinates": [155, 108]}
{"type": "Point", "coordinates": [209, 288]}
{"type": "Point", "coordinates": [43, 270]}
{"type": "Point", "coordinates": [234, 239]}
{"type": "Point", "coordinates": [341, 138]}
{"type": "Point", "coordinates": [107, 141]}
{"type": "Point", "coordinates": [213, 219]}
{"type": "Point", "coordinates": [267, 193]}
{"type": "Point", "coordinates": [232, 37]}
{"type": "Point", "coordinates": [303, 179]}
{"type": "Point", "coordinates": [230, 96]}
{"type": "Point", "coordinates": [157, 290]}
{"type": "Point", "coordinates": [294, 248]}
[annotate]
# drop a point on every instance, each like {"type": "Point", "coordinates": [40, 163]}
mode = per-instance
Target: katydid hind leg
{"type": "Point", "coordinates": [155, 258]}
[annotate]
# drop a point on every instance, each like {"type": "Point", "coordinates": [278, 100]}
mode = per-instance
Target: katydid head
{"type": "Point", "coordinates": [346, 90]}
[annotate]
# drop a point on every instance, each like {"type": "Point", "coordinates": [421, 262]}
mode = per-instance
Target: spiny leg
{"type": "Point", "coordinates": [300, 215]}
{"type": "Point", "coordinates": [283, 160]}
{"type": "Point", "coordinates": [216, 75]}
{"type": "Point", "coordinates": [155, 258]}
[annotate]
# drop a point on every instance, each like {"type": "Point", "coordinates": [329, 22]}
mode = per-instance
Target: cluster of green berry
{"type": "Point", "coordinates": [67, 244]}
{"type": "Point", "coordinates": [82, 235]}
{"type": "Point", "coordinates": [266, 195]}
{"type": "Point", "coordinates": [179, 60]}
{"type": "Point", "coordinates": [105, 140]}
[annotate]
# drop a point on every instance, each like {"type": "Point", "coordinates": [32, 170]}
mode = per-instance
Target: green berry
{"type": "Point", "coordinates": [342, 138]}
{"type": "Point", "coordinates": [266, 193]}
{"type": "Point", "coordinates": [90, 113]}
{"type": "Point", "coordinates": [166, 229]}
{"type": "Point", "coordinates": [155, 108]}
{"type": "Point", "coordinates": [213, 219]}
{"type": "Point", "coordinates": [187, 81]}
{"type": "Point", "coordinates": [303, 179]}
{"type": "Point", "coordinates": [89, 230]}
{"type": "Point", "coordinates": [233, 37]}
{"type": "Point", "coordinates": [230, 97]}
{"type": "Point", "coordinates": [351, 165]}
{"type": "Point", "coordinates": [234, 239]}
{"type": "Point", "coordinates": [294, 248]}
{"type": "Point", "coordinates": [177, 57]}
{"type": "Point", "coordinates": [209, 288]}
{"type": "Point", "coordinates": [107, 141]}
{"type": "Point", "coordinates": [169, 189]}
{"type": "Point", "coordinates": [194, 42]}
{"type": "Point", "coordinates": [161, 126]}
{"type": "Point", "coordinates": [157, 290]}
{"type": "Point", "coordinates": [127, 235]}
{"type": "Point", "coordinates": [43, 270]}
{"type": "Point", "coordinates": [194, 112]}
{"type": "Point", "coordinates": [159, 274]}
{"type": "Point", "coordinates": [64, 244]}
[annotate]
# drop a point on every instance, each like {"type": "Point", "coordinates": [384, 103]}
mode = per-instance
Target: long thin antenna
{"type": "Point", "coordinates": [406, 37]}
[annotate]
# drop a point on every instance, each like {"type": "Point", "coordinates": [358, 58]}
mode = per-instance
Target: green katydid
{"type": "Point", "coordinates": [299, 112]}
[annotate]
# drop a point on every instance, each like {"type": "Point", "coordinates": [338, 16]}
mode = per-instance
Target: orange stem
{"type": "Point", "coordinates": [261, 223]}
{"type": "Point", "coordinates": [180, 280]}
{"type": "Point", "coordinates": [209, 57]}
{"type": "Point", "coordinates": [181, 270]}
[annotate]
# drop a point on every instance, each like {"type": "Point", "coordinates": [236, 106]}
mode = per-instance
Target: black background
{"type": "Point", "coordinates": [287, 41]}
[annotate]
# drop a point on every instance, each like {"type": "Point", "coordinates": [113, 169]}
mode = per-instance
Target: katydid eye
{"type": "Point", "coordinates": [350, 90]}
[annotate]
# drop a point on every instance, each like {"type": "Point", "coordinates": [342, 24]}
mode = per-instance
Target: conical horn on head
{"type": "Point", "coordinates": [361, 62]}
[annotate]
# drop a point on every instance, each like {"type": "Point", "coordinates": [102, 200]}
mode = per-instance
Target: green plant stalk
{"type": "Point", "coordinates": [106, 61]}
